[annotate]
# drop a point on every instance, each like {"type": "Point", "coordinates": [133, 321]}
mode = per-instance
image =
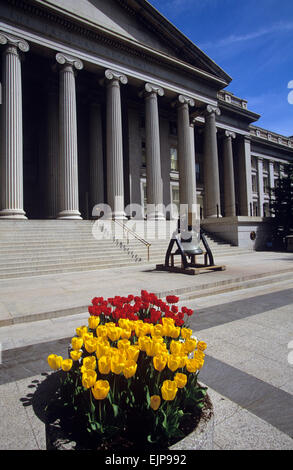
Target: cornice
{"type": "Point", "coordinates": [98, 33]}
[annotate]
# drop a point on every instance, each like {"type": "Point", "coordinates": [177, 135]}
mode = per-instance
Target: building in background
{"type": "Point", "coordinates": [105, 101]}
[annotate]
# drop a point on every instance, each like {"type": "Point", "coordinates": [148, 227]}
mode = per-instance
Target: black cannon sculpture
{"type": "Point", "coordinates": [187, 247]}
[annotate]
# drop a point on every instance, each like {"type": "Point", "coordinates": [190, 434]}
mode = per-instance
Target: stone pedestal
{"type": "Point", "coordinates": [69, 203]}
{"type": "Point", "coordinates": [12, 129]}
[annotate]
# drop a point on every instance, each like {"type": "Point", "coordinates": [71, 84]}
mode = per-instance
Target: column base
{"type": "Point", "coordinates": [119, 216]}
{"type": "Point", "coordinates": [156, 216]}
{"type": "Point", "coordinates": [69, 215]}
{"type": "Point", "coordinates": [13, 214]}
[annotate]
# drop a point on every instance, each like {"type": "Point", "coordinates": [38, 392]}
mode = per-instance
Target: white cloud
{"type": "Point", "coordinates": [234, 38]}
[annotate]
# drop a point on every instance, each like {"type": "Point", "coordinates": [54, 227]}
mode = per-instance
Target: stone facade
{"type": "Point", "coordinates": [105, 102]}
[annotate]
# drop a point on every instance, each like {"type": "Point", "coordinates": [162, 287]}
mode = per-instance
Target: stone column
{"type": "Point", "coordinates": [12, 129]}
{"type": "Point", "coordinates": [260, 187]}
{"type": "Point", "coordinates": [244, 179]}
{"type": "Point", "coordinates": [212, 200]}
{"type": "Point", "coordinates": [96, 156]}
{"type": "Point", "coordinates": [69, 203]}
{"type": "Point", "coordinates": [229, 184]}
{"type": "Point", "coordinates": [52, 167]}
{"type": "Point", "coordinates": [186, 157]}
{"type": "Point", "coordinates": [153, 153]}
{"type": "Point", "coordinates": [115, 178]}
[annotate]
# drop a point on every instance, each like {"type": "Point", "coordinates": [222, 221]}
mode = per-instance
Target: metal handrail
{"type": "Point", "coordinates": [135, 235]}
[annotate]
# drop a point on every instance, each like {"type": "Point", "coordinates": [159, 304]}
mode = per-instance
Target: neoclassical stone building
{"type": "Point", "coordinates": [105, 101]}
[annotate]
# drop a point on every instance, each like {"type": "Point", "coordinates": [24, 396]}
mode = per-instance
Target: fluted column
{"type": "Point", "coordinates": [186, 159]}
{"type": "Point", "coordinates": [229, 183]}
{"type": "Point", "coordinates": [211, 164]}
{"type": "Point", "coordinates": [96, 156]}
{"type": "Point", "coordinates": [12, 129]}
{"type": "Point", "coordinates": [115, 179]}
{"type": "Point", "coordinates": [52, 167]}
{"type": "Point", "coordinates": [153, 153]}
{"type": "Point", "coordinates": [69, 204]}
{"type": "Point", "coordinates": [244, 175]}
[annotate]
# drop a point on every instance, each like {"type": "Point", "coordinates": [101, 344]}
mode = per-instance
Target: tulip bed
{"type": "Point", "coordinates": [132, 373]}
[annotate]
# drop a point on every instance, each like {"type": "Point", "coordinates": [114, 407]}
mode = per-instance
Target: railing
{"type": "Point", "coordinates": [129, 232]}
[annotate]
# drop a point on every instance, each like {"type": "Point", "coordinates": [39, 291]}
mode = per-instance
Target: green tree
{"type": "Point", "coordinates": [282, 207]}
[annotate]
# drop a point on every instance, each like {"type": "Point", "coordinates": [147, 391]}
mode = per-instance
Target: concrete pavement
{"type": "Point", "coordinates": [247, 330]}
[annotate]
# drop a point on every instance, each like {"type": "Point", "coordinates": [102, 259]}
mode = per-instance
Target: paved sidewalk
{"type": "Point", "coordinates": [247, 331]}
{"type": "Point", "coordinates": [41, 297]}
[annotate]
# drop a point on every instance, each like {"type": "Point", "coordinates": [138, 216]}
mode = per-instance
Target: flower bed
{"type": "Point", "coordinates": [131, 378]}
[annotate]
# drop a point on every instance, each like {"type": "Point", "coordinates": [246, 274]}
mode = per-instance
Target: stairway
{"type": "Point", "coordinates": [38, 247]}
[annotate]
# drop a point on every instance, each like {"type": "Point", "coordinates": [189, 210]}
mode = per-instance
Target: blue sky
{"type": "Point", "coordinates": [251, 40]}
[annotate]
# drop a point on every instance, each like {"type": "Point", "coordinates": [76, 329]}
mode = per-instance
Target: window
{"type": "Point", "coordinates": [266, 166]}
{"type": "Point", "coordinates": [254, 183]}
{"type": "Point", "coordinates": [174, 159]}
{"type": "Point", "coordinates": [266, 185]}
{"type": "Point", "coordinates": [253, 163]}
{"type": "Point", "coordinates": [197, 171]}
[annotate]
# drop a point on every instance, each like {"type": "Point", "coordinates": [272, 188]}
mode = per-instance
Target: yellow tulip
{"type": "Point", "coordinates": [104, 364]}
{"type": "Point", "coordinates": [101, 331]}
{"type": "Point", "coordinates": [176, 347]}
{"type": "Point", "coordinates": [186, 333]}
{"type": "Point", "coordinates": [77, 343]}
{"type": "Point", "coordinates": [114, 333]}
{"type": "Point", "coordinates": [103, 349]}
{"type": "Point", "coordinates": [89, 378]}
{"type": "Point", "coordinates": [192, 365]}
{"type": "Point", "coordinates": [93, 322]}
{"type": "Point", "coordinates": [169, 390]}
{"type": "Point", "coordinates": [160, 362]}
{"type": "Point", "coordinates": [175, 332]}
{"type": "Point", "coordinates": [155, 402]}
{"type": "Point", "coordinates": [129, 369]}
{"type": "Point", "coordinates": [81, 330]}
{"type": "Point", "coordinates": [125, 333]}
{"type": "Point", "coordinates": [89, 362]}
{"type": "Point", "coordinates": [117, 364]}
{"type": "Point", "coordinates": [87, 335]}
{"type": "Point", "coordinates": [181, 380]}
{"type": "Point", "coordinates": [157, 330]}
{"type": "Point", "coordinates": [174, 362]}
{"type": "Point", "coordinates": [189, 345]}
{"type": "Point", "coordinates": [91, 345]}
{"type": "Point", "coordinates": [132, 353]}
{"type": "Point", "coordinates": [66, 364]}
{"type": "Point", "coordinates": [123, 344]}
{"type": "Point", "coordinates": [143, 341]}
{"type": "Point", "coordinates": [75, 355]}
{"type": "Point", "coordinates": [101, 389]}
{"type": "Point", "coordinates": [55, 361]}
{"type": "Point", "coordinates": [201, 345]}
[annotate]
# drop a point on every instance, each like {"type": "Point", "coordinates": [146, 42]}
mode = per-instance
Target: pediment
{"type": "Point", "coordinates": [139, 22]}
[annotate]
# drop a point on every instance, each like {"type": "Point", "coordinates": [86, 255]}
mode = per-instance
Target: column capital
{"type": "Point", "coordinates": [183, 99]}
{"type": "Point", "coordinates": [114, 75]}
{"type": "Point", "coordinates": [229, 134]}
{"type": "Point", "coordinates": [209, 110]}
{"type": "Point", "coordinates": [66, 59]}
{"type": "Point", "coordinates": [10, 40]}
{"type": "Point", "coordinates": [149, 89]}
